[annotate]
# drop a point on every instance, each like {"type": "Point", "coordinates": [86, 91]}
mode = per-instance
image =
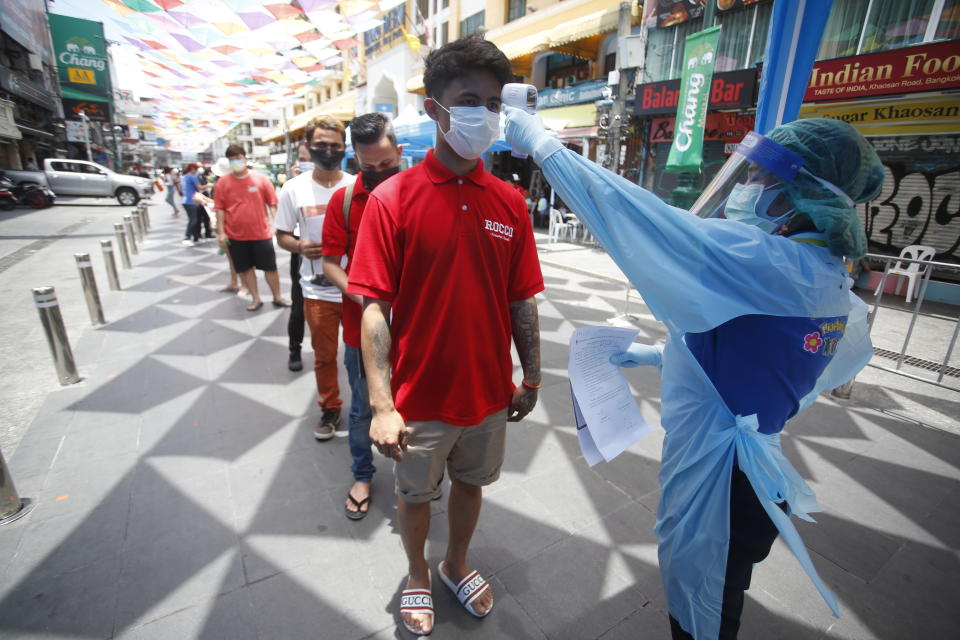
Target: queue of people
{"type": "Point", "coordinates": [433, 271]}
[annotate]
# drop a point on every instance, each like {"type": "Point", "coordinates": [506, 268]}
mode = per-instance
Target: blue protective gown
{"type": "Point", "coordinates": [695, 275]}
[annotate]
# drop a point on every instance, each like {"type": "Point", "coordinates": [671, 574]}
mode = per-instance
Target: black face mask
{"type": "Point", "coordinates": [372, 178]}
{"type": "Point", "coordinates": [328, 159]}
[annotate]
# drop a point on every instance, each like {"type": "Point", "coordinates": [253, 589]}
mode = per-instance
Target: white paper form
{"type": "Point", "coordinates": [608, 417]}
{"type": "Point", "coordinates": [314, 227]}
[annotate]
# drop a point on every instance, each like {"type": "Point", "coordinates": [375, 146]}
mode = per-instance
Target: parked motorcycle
{"type": "Point", "coordinates": [35, 196]}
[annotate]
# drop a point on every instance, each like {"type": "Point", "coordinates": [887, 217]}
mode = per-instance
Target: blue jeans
{"type": "Point", "coordinates": [361, 447]}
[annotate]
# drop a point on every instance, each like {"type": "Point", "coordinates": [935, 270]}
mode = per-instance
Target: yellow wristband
{"type": "Point", "coordinates": [530, 386]}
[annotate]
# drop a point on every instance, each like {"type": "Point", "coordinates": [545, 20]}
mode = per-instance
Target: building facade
{"type": "Point", "coordinates": [30, 107]}
{"type": "Point", "coordinates": [890, 69]}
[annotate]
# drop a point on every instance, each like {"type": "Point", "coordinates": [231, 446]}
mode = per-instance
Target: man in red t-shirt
{"type": "Point", "coordinates": [245, 202]}
{"type": "Point", "coordinates": [378, 156]}
{"type": "Point", "coordinates": [447, 266]}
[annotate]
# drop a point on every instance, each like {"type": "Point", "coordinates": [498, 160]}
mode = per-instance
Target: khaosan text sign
{"type": "Point", "coordinates": [686, 152]}
{"type": "Point", "coordinates": [930, 67]}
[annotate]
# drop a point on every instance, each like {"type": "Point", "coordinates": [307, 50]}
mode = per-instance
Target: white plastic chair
{"type": "Point", "coordinates": [575, 226]}
{"type": "Point", "coordinates": [558, 227]}
{"type": "Point", "coordinates": [913, 271]}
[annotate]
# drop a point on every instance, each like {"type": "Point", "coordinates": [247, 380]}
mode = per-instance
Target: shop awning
{"type": "Point", "coordinates": [572, 117]}
{"type": "Point", "coordinates": [571, 27]}
{"type": "Point", "coordinates": [343, 108]}
{"type": "Point", "coordinates": [75, 94]}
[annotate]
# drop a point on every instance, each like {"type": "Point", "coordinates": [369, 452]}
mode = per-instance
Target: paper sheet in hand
{"type": "Point", "coordinates": [608, 417]}
{"type": "Point", "coordinates": [314, 225]}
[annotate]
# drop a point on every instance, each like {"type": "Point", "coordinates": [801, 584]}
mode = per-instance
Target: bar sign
{"type": "Point", "coordinates": [81, 76]}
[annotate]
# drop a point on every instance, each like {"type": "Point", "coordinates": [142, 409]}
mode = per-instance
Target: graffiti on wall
{"type": "Point", "coordinates": [920, 200]}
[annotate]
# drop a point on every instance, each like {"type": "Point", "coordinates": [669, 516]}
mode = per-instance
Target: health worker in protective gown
{"type": "Point", "coordinates": [752, 287]}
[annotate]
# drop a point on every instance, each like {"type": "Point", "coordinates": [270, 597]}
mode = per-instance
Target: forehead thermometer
{"type": "Point", "coordinates": [521, 96]}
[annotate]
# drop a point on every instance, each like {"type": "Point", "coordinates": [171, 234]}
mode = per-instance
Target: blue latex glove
{"type": "Point", "coordinates": [527, 135]}
{"type": "Point", "coordinates": [638, 355]}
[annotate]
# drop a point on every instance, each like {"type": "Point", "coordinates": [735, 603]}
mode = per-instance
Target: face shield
{"type": "Point", "coordinates": [750, 185]}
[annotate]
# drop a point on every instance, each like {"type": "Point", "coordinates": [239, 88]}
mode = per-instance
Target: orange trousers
{"type": "Point", "coordinates": [323, 318]}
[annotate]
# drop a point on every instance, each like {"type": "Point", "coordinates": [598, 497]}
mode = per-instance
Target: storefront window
{"type": "Point", "coordinates": [564, 71]}
{"type": "Point", "coordinates": [861, 26]}
{"type": "Point", "coordinates": [761, 30]}
{"type": "Point", "coordinates": [842, 34]}
{"type": "Point", "coordinates": [516, 9]}
{"type": "Point", "coordinates": [896, 24]}
{"type": "Point", "coordinates": [665, 50]}
{"type": "Point", "coordinates": [473, 23]}
{"type": "Point", "coordinates": [743, 37]}
{"type": "Point", "coordinates": [949, 26]}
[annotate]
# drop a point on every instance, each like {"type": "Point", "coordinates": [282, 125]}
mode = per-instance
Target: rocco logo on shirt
{"type": "Point", "coordinates": [498, 230]}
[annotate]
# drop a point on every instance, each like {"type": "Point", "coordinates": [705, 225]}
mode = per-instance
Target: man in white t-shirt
{"type": "Point", "coordinates": [303, 205]}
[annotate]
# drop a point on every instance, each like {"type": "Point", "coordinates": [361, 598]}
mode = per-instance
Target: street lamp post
{"type": "Point", "coordinates": [85, 119]}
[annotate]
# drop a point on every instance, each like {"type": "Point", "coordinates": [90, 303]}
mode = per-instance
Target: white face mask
{"type": "Point", "coordinates": [472, 130]}
{"type": "Point", "coordinates": [746, 204]}
{"type": "Point", "coordinates": [305, 166]}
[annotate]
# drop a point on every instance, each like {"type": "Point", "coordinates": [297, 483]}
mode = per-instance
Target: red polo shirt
{"type": "Point", "coordinates": [449, 253]}
{"type": "Point", "coordinates": [337, 242]}
{"type": "Point", "coordinates": [245, 201]}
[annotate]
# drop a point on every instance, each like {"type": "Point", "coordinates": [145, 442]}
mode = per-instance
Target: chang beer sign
{"type": "Point", "coordinates": [686, 153]}
{"type": "Point", "coordinates": [80, 51]}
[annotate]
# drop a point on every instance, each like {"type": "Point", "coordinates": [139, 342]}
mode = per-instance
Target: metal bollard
{"type": "Point", "coordinates": [843, 391]}
{"type": "Point", "coordinates": [12, 506]}
{"type": "Point", "coordinates": [49, 309]}
{"type": "Point", "coordinates": [145, 214]}
{"type": "Point", "coordinates": [90, 291]}
{"type": "Point", "coordinates": [137, 226]}
{"type": "Point", "coordinates": [120, 234]}
{"type": "Point", "coordinates": [112, 276]}
{"type": "Point", "coordinates": [131, 235]}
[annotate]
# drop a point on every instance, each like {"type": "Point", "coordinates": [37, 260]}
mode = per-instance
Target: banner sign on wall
{"type": "Point", "coordinates": [905, 116]}
{"type": "Point", "coordinates": [81, 56]}
{"type": "Point", "coordinates": [728, 127]}
{"type": "Point", "coordinates": [95, 110]}
{"type": "Point", "coordinates": [589, 91]}
{"type": "Point", "coordinates": [678, 12]}
{"type": "Point", "coordinates": [930, 67]}
{"type": "Point", "coordinates": [728, 90]}
{"type": "Point", "coordinates": [725, 5]}
{"type": "Point", "coordinates": [686, 152]}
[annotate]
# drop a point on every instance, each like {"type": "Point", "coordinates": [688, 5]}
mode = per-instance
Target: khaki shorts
{"type": "Point", "coordinates": [472, 455]}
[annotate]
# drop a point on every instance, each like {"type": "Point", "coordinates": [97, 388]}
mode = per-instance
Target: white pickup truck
{"type": "Point", "coordinates": [83, 178]}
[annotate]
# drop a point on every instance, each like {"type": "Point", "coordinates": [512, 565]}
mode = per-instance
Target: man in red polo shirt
{"type": "Point", "coordinates": [447, 266]}
{"type": "Point", "coordinates": [378, 156]}
{"type": "Point", "coordinates": [245, 202]}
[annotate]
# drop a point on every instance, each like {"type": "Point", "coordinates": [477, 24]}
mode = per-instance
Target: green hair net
{"type": "Point", "coordinates": [833, 151]}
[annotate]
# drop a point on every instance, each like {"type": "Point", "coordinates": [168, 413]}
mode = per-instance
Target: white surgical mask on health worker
{"type": "Point", "coordinates": [472, 130]}
{"type": "Point", "coordinates": [742, 204]}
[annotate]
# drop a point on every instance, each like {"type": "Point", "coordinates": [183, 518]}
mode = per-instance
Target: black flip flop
{"type": "Point", "coordinates": [282, 304]}
{"type": "Point", "coordinates": [358, 514]}
{"type": "Point", "coordinates": [255, 307]}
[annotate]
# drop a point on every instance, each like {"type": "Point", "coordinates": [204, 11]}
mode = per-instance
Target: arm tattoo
{"type": "Point", "coordinates": [526, 335]}
{"type": "Point", "coordinates": [376, 342]}
{"type": "Point", "coordinates": [382, 342]}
